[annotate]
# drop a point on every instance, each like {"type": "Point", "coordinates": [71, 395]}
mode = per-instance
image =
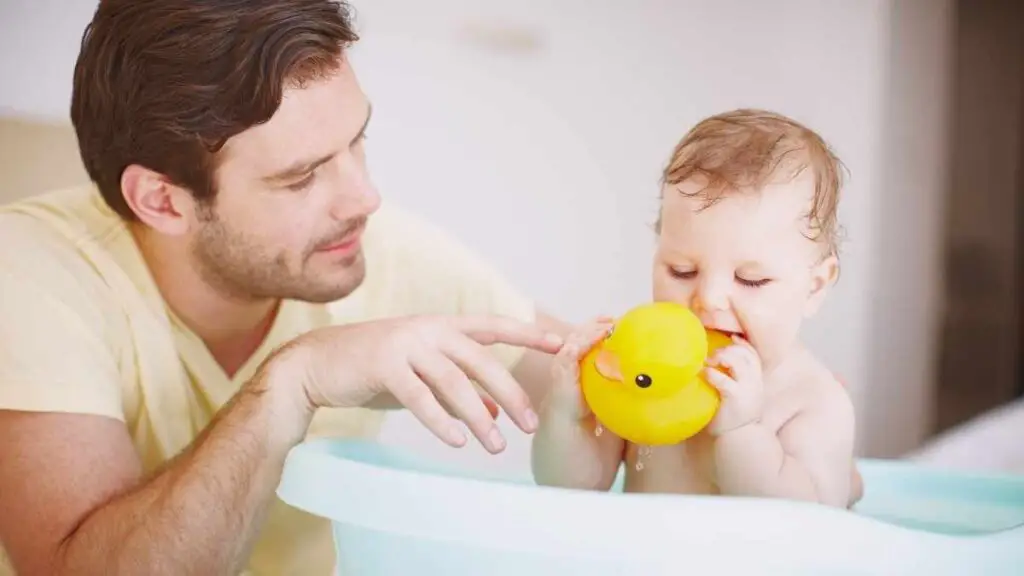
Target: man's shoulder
{"type": "Point", "coordinates": [415, 266]}
{"type": "Point", "coordinates": [401, 244]}
{"type": "Point", "coordinates": [74, 215]}
{"type": "Point", "coordinates": [55, 239]}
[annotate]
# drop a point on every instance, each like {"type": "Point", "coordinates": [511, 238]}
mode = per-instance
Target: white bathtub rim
{"type": "Point", "coordinates": [385, 499]}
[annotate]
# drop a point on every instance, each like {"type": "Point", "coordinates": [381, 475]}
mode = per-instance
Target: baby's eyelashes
{"type": "Point", "coordinates": [748, 282]}
{"type": "Point", "coordinates": [753, 283]}
{"type": "Point", "coordinates": [682, 274]}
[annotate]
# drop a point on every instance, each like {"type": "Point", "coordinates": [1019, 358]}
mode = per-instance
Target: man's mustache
{"type": "Point", "coordinates": [340, 235]}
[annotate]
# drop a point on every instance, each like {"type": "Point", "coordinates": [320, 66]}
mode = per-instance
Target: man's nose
{"type": "Point", "coordinates": [356, 195]}
{"type": "Point", "coordinates": [711, 295]}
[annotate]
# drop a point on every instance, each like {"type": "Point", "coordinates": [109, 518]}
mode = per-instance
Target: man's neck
{"type": "Point", "coordinates": [231, 328]}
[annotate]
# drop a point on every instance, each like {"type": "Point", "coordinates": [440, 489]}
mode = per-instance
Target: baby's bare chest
{"type": "Point", "coordinates": [689, 468]}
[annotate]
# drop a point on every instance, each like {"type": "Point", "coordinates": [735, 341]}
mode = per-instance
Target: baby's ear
{"type": "Point", "coordinates": [823, 277]}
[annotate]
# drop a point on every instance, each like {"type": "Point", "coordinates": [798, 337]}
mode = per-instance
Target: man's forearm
{"type": "Point", "coordinates": [750, 461]}
{"type": "Point", "coordinates": [200, 513]}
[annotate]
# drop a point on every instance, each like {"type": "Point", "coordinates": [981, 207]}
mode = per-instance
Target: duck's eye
{"type": "Point", "coordinates": [643, 380]}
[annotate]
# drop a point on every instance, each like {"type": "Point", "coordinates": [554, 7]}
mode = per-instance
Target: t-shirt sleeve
{"type": "Point", "coordinates": [424, 269]}
{"type": "Point", "coordinates": [54, 354]}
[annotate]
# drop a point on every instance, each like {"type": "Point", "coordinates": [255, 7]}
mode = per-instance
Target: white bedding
{"type": "Point", "coordinates": [993, 441]}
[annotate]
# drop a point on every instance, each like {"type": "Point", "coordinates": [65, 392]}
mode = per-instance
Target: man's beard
{"type": "Point", "coordinates": [238, 268]}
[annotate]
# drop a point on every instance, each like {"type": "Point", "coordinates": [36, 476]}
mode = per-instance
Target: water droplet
{"type": "Point", "coordinates": [642, 454]}
{"type": "Point", "coordinates": [598, 429]}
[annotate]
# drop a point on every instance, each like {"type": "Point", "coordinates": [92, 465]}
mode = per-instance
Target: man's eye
{"type": "Point", "coordinates": [303, 184]}
{"type": "Point", "coordinates": [753, 283]}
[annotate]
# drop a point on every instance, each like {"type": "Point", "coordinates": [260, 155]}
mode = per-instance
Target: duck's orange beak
{"type": "Point", "coordinates": [607, 364]}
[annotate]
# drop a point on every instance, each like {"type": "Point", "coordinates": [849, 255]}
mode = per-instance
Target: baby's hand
{"type": "Point", "coordinates": [566, 396]}
{"type": "Point", "coordinates": [740, 383]}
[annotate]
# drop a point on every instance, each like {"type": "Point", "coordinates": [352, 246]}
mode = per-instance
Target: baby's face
{"type": "Point", "coordinates": [744, 265]}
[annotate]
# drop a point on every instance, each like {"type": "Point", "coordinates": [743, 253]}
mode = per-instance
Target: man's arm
{"type": "Point", "coordinates": [74, 501]}
{"type": "Point", "coordinates": [810, 458]}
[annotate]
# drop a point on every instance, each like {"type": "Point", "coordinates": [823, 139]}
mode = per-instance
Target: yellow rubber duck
{"type": "Point", "coordinates": [644, 381]}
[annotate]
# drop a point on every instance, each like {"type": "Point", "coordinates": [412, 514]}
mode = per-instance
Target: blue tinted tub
{"type": "Point", "coordinates": [395, 514]}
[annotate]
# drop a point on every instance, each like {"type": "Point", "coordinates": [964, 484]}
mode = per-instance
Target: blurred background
{"type": "Point", "coordinates": [536, 131]}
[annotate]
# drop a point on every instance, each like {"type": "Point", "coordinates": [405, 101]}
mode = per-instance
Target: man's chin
{"type": "Point", "coordinates": [325, 294]}
{"type": "Point", "coordinates": [332, 286]}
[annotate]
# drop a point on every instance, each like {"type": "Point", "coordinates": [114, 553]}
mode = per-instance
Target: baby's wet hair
{"type": "Point", "coordinates": [750, 148]}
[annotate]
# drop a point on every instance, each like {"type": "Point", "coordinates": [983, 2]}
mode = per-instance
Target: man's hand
{"type": "Point", "coordinates": [91, 511]}
{"type": "Point", "coordinates": [427, 364]}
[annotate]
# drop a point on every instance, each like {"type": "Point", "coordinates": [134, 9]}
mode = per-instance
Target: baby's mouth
{"type": "Point", "coordinates": [729, 333]}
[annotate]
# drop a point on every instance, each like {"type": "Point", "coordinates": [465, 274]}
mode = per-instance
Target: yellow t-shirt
{"type": "Point", "coordinates": [83, 329]}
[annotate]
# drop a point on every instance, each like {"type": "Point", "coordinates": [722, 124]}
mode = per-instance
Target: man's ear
{"type": "Point", "coordinates": [158, 203]}
{"type": "Point", "coordinates": [823, 277]}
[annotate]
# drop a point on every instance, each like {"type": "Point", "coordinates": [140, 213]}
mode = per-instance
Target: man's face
{"type": "Point", "coordinates": [293, 199]}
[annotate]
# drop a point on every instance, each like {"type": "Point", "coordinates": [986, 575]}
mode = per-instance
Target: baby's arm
{"type": "Point", "coordinates": [809, 459]}
{"type": "Point", "coordinates": [566, 451]}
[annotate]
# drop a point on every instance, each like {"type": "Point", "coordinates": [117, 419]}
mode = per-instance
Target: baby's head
{"type": "Point", "coordinates": [747, 231]}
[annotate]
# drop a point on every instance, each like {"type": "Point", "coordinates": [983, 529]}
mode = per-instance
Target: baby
{"type": "Point", "coordinates": [747, 239]}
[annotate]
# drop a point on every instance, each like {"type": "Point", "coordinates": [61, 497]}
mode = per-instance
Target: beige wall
{"type": "Point", "coordinates": [36, 156]}
{"type": "Point", "coordinates": [905, 270]}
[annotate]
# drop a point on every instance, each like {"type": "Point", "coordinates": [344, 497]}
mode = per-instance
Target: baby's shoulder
{"type": "Point", "coordinates": [818, 388]}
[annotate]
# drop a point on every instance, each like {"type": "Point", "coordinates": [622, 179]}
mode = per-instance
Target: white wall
{"type": "Point", "coordinates": [527, 114]}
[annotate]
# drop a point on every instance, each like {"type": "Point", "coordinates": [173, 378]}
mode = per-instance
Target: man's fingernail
{"type": "Point", "coordinates": [495, 439]}
{"type": "Point", "coordinates": [456, 434]}
{"type": "Point", "coordinates": [530, 419]}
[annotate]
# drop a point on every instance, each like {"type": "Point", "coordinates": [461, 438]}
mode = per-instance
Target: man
{"type": "Point", "coordinates": [170, 332]}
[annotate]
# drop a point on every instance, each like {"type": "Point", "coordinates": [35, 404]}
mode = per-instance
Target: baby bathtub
{"type": "Point", "coordinates": [396, 514]}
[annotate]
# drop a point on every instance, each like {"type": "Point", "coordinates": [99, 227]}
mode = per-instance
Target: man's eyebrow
{"type": "Point", "coordinates": [302, 167]}
{"type": "Point", "coordinates": [296, 169]}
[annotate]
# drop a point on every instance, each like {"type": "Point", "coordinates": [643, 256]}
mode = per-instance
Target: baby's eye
{"type": "Point", "coordinates": [681, 274]}
{"type": "Point", "coordinates": [753, 283]}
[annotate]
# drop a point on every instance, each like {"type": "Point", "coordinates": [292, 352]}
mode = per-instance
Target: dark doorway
{"type": "Point", "coordinates": [983, 327]}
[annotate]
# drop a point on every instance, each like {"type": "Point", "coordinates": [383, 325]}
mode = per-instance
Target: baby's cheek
{"type": "Point", "coordinates": [776, 324]}
{"type": "Point", "coordinates": [670, 290]}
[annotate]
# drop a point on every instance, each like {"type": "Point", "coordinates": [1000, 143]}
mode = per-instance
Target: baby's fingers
{"type": "Point", "coordinates": [726, 386]}
{"type": "Point", "coordinates": [567, 364]}
{"type": "Point", "coordinates": [583, 339]}
{"type": "Point", "coordinates": [596, 331]}
{"type": "Point", "coordinates": [748, 351]}
{"type": "Point", "coordinates": [740, 362]}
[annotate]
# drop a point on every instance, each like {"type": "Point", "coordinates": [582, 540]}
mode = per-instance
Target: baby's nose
{"type": "Point", "coordinates": [710, 297]}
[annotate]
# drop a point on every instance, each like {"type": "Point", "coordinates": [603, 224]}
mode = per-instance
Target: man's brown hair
{"type": "Point", "coordinates": [749, 148]}
{"type": "Point", "coordinates": [165, 83]}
